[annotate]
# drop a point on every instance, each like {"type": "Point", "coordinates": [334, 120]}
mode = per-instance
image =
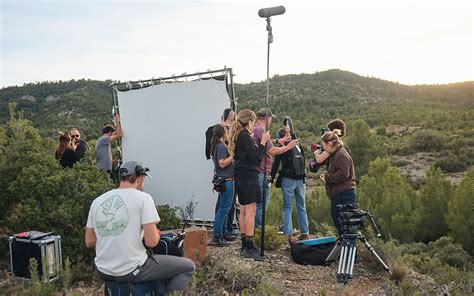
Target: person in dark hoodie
{"type": "Point", "coordinates": [340, 177]}
{"type": "Point", "coordinates": [293, 186]}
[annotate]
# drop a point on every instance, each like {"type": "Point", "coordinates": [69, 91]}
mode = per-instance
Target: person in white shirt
{"type": "Point", "coordinates": [117, 222]}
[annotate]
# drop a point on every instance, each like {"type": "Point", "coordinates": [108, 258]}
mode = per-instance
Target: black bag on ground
{"type": "Point", "coordinates": [313, 251]}
{"type": "Point", "coordinates": [170, 244]}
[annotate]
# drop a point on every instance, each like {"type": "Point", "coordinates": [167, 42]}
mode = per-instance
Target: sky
{"type": "Point", "coordinates": [410, 42]}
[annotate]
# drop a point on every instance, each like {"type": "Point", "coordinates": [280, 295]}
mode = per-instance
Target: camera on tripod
{"type": "Point", "coordinates": [352, 219]}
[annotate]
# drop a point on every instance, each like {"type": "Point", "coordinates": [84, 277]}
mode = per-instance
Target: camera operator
{"type": "Point", "coordinates": [293, 186]}
{"type": "Point", "coordinates": [117, 221]}
{"type": "Point", "coordinates": [322, 156]}
{"type": "Point", "coordinates": [340, 178]}
{"type": "Point", "coordinates": [82, 146]}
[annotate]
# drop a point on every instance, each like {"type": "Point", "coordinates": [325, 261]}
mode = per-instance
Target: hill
{"type": "Point", "coordinates": [394, 111]}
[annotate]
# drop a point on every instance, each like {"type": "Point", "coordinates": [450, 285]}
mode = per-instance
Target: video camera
{"type": "Point", "coordinates": [314, 166]}
{"type": "Point", "coordinates": [352, 219]}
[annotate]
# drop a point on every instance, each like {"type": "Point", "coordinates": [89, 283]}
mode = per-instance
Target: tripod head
{"type": "Point", "coordinates": [352, 219]}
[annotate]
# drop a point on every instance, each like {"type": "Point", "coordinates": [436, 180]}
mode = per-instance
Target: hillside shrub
{"type": "Point", "coordinates": [169, 217]}
{"type": "Point", "coordinates": [428, 140]}
{"type": "Point", "coordinates": [273, 239]}
{"type": "Point", "coordinates": [222, 276]}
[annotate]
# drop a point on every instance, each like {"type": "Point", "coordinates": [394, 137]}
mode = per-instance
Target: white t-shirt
{"type": "Point", "coordinates": [117, 217]}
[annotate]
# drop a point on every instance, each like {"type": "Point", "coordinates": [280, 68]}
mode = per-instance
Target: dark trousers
{"type": "Point", "coordinates": [230, 217]}
{"type": "Point", "coordinates": [173, 273]}
{"type": "Point", "coordinates": [346, 197]}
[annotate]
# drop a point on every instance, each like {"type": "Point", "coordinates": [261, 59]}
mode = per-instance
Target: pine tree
{"type": "Point", "coordinates": [387, 194]}
{"type": "Point", "coordinates": [460, 218]}
{"type": "Point", "coordinates": [364, 146]}
{"type": "Point", "coordinates": [435, 192]}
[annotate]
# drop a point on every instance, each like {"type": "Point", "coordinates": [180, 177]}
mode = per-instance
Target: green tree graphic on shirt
{"type": "Point", "coordinates": [111, 216]}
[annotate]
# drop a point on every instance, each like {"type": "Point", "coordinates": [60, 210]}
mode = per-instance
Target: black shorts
{"type": "Point", "coordinates": [247, 191]}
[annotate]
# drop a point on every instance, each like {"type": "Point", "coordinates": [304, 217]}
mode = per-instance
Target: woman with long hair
{"type": "Point", "coordinates": [224, 167]}
{"type": "Point", "coordinates": [340, 177]}
{"type": "Point", "coordinates": [66, 150]}
{"type": "Point", "coordinates": [247, 155]}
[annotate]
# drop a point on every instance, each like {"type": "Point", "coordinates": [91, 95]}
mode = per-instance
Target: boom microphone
{"type": "Point", "coordinates": [271, 11]}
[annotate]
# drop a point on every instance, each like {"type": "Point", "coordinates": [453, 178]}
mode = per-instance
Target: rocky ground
{"type": "Point", "coordinates": [284, 273]}
{"type": "Point", "coordinates": [295, 279]}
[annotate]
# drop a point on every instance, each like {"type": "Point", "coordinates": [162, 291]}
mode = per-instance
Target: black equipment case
{"type": "Point", "coordinates": [312, 251]}
{"type": "Point", "coordinates": [44, 247]}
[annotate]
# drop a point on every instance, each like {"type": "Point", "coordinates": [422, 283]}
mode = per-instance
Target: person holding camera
{"type": "Point", "coordinates": [66, 151]}
{"type": "Point", "coordinates": [265, 115]}
{"type": "Point", "coordinates": [82, 146]}
{"type": "Point", "coordinates": [227, 118]}
{"type": "Point", "coordinates": [247, 156]}
{"type": "Point", "coordinates": [116, 224]}
{"type": "Point", "coordinates": [224, 168]}
{"type": "Point", "coordinates": [292, 182]}
{"type": "Point", "coordinates": [340, 177]}
{"type": "Point", "coordinates": [321, 155]}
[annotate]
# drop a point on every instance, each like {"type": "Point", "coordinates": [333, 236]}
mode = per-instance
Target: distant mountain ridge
{"type": "Point", "coordinates": [86, 104]}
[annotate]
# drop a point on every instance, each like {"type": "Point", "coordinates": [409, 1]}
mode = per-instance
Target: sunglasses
{"type": "Point", "coordinates": [75, 136]}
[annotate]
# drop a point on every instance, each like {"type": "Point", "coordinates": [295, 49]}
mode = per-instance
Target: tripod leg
{"type": "Point", "coordinates": [334, 252]}
{"type": "Point", "coordinates": [372, 250]}
{"type": "Point", "coordinates": [346, 261]}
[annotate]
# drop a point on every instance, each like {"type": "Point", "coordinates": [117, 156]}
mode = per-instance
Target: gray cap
{"type": "Point", "coordinates": [262, 113]}
{"type": "Point", "coordinates": [133, 168]}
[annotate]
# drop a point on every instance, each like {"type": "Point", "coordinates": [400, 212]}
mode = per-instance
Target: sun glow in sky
{"type": "Point", "coordinates": [409, 42]}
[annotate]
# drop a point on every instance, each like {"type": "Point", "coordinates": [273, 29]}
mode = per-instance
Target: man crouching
{"type": "Point", "coordinates": [114, 228]}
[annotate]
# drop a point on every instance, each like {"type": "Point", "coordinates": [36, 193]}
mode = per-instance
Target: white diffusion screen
{"type": "Point", "coordinates": [163, 127]}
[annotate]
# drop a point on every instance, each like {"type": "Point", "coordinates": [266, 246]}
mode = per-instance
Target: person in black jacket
{"type": "Point", "coordinates": [292, 181]}
{"type": "Point", "coordinates": [247, 156]}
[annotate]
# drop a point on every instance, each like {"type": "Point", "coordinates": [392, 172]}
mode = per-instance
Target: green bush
{"type": "Point", "coordinates": [169, 218]}
{"type": "Point", "coordinates": [37, 194]}
{"type": "Point", "coordinates": [222, 276]}
{"type": "Point", "coordinates": [273, 239]}
{"type": "Point", "coordinates": [451, 164]}
{"type": "Point", "coordinates": [428, 140]}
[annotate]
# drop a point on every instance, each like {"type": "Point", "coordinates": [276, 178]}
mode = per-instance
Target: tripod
{"type": "Point", "coordinates": [346, 248]}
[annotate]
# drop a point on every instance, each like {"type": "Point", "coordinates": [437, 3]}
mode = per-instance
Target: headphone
{"type": "Point", "coordinates": [226, 113]}
{"type": "Point", "coordinates": [141, 170]}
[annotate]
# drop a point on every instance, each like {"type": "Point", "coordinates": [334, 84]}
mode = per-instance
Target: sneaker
{"type": "Point", "coordinates": [220, 241]}
{"type": "Point", "coordinates": [230, 237]}
{"type": "Point", "coordinates": [303, 237]}
{"type": "Point", "coordinates": [252, 253]}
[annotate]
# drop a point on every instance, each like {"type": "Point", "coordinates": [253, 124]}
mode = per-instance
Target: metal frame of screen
{"type": "Point", "coordinates": [225, 75]}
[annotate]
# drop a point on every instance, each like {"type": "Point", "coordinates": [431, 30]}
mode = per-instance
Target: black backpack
{"type": "Point", "coordinates": [170, 244]}
{"type": "Point", "coordinates": [312, 254]}
{"type": "Point", "coordinates": [297, 159]}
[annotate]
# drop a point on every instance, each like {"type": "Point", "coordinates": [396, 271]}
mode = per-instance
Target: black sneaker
{"type": "Point", "coordinates": [221, 242]}
{"type": "Point", "coordinates": [252, 253]}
